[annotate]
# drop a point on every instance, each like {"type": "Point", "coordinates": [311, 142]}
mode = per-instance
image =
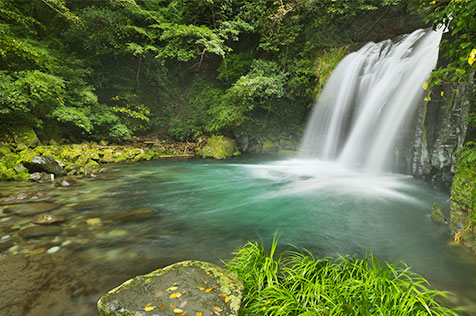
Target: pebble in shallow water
{"type": "Point", "coordinates": [47, 219]}
{"type": "Point", "coordinates": [53, 250]}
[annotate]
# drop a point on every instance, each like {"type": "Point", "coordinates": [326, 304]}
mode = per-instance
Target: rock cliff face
{"type": "Point", "coordinates": [440, 129]}
{"type": "Point", "coordinates": [427, 150]}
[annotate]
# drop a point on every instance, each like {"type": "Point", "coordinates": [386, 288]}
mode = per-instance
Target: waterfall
{"type": "Point", "coordinates": [368, 99]}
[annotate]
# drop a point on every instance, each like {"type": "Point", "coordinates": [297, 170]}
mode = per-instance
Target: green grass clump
{"type": "Point", "coordinates": [298, 284]}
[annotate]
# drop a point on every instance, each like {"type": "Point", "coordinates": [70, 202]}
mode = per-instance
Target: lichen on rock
{"type": "Point", "coordinates": [188, 287]}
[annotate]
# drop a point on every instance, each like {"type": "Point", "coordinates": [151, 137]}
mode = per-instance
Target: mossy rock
{"type": "Point", "coordinates": [71, 154]}
{"type": "Point", "coordinates": [7, 173]}
{"type": "Point", "coordinates": [188, 287]}
{"type": "Point", "coordinates": [270, 147]}
{"type": "Point", "coordinates": [4, 149]}
{"type": "Point", "coordinates": [92, 154]}
{"type": "Point", "coordinates": [219, 147]}
{"type": "Point", "coordinates": [107, 156]}
{"type": "Point", "coordinates": [437, 214]}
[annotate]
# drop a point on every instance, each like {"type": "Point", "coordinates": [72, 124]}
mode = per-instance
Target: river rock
{"type": "Point", "coordinates": [39, 231]}
{"type": "Point", "coordinates": [25, 198]}
{"type": "Point", "coordinates": [32, 208]}
{"type": "Point", "coordinates": [437, 214]}
{"type": "Point", "coordinates": [66, 182]}
{"type": "Point", "coordinates": [219, 147]}
{"type": "Point", "coordinates": [184, 288]}
{"type": "Point", "coordinates": [44, 164]}
{"type": "Point", "coordinates": [42, 177]}
{"type": "Point", "coordinates": [47, 219]}
{"type": "Point", "coordinates": [137, 215]}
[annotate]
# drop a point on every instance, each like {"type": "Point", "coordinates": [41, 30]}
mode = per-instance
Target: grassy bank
{"type": "Point", "coordinates": [297, 283]}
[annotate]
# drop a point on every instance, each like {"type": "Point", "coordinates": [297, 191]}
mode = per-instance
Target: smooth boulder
{"type": "Point", "coordinates": [44, 164]}
{"type": "Point", "coordinates": [184, 288]}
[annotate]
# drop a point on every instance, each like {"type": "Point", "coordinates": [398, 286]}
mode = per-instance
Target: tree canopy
{"type": "Point", "coordinates": [112, 69]}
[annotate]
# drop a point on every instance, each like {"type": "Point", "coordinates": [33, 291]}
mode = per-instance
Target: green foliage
{"type": "Point", "coordinates": [263, 84]}
{"type": "Point", "coordinates": [113, 69]}
{"type": "Point", "coordinates": [234, 66]}
{"type": "Point", "coordinates": [463, 192]}
{"type": "Point", "coordinates": [460, 50]}
{"type": "Point", "coordinates": [297, 283]}
{"type": "Point", "coordinates": [190, 121]}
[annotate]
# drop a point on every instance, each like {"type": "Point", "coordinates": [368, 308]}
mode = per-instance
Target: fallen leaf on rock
{"type": "Point", "coordinates": [172, 305]}
{"type": "Point", "coordinates": [222, 295]}
{"type": "Point", "coordinates": [174, 295]}
{"type": "Point", "coordinates": [178, 311]}
{"type": "Point", "coordinates": [218, 309]}
{"type": "Point", "coordinates": [227, 299]}
{"type": "Point", "coordinates": [159, 294]}
{"type": "Point", "coordinates": [148, 307]}
{"type": "Point", "coordinates": [161, 305]}
{"type": "Point", "coordinates": [208, 290]}
{"type": "Point", "coordinates": [175, 283]}
{"type": "Point", "coordinates": [201, 288]}
{"type": "Point", "coordinates": [173, 288]}
{"type": "Point", "coordinates": [199, 314]}
{"type": "Point", "coordinates": [183, 314]}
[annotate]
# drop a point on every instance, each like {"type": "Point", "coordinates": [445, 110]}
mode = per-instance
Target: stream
{"type": "Point", "coordinates": [146, 215]}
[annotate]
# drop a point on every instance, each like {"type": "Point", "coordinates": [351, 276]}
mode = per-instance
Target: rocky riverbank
{"type": "Point", "coordinates": [24, 157]}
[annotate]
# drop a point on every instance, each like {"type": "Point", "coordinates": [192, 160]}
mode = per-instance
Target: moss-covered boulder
{"type": "Point", "coordinates": [219, 147]}
{"type": "Point", "coordinates": [463, 198]}
{"type": "Point", "coordinates": [437, 214]}
{"type": "Point", "coordinates": [44, 164]}
{"type": "Point", "coordinates": [184, 288]}
{"type": "Point", "coordinates": [270, 147]}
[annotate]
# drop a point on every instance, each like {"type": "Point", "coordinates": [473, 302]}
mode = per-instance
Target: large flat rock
{"type": "Point", "coordinates": [185, 288]}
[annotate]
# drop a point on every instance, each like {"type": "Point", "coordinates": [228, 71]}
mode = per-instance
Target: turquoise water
{"type": "Point", "coordinates": [205, 209]}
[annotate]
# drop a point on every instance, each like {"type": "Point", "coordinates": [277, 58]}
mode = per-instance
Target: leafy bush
{"type": "Point", "coordinates": [263, 84]}
{"type": "Point", "coordinates": [190, 120]}
{"type": "Point", "coordinates": [296, 283]}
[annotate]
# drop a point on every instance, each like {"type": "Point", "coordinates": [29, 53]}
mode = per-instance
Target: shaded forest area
{"type": "Point", "coordinates": [92, 70]}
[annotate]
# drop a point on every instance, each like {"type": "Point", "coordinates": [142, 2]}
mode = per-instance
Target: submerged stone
{"type": "Point", "coordinates": [32, 208]}
{"type": "Point", "coordinates": [66, 182]}
{"type": "Point", "coordinates": [137, 215]}
{"type": "Point", "coordinates": [39, 231]}
{"type": "Point", "coordinates": [27, 197]}
{"type": "Point", "coordinates": [184, 288]}
{"type": "Point", "coordinates": [47, 219]}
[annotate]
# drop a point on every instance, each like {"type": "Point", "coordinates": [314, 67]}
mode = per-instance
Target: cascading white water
{"type": "Point", "coordinates": [367, 100]}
